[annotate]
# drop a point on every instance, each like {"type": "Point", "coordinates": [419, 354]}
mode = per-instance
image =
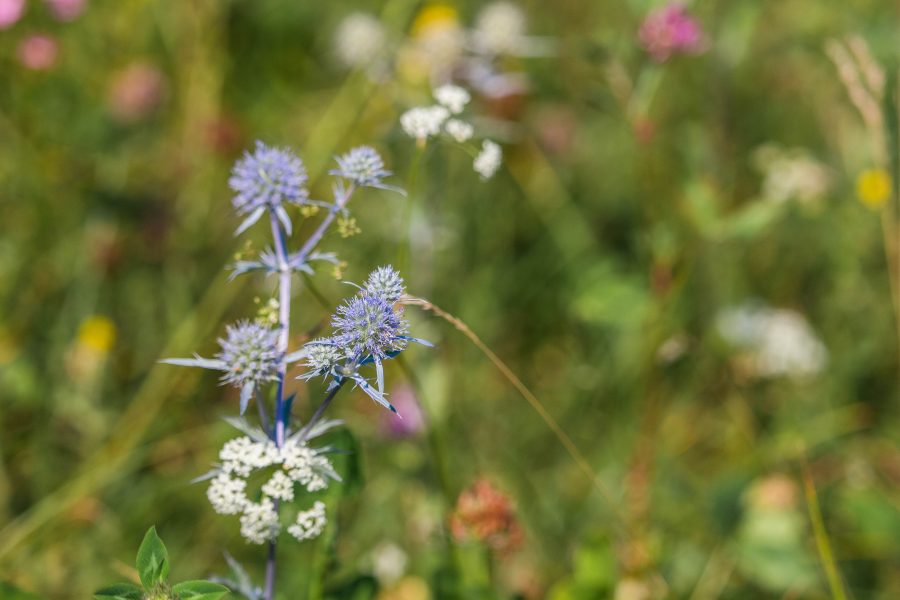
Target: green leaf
{"type": "Point", "coordinates": [120, 591]}
{"type": "Point", "coordinates": [152, 560]}
{"type": "Point", "coordinates": [200, 590]}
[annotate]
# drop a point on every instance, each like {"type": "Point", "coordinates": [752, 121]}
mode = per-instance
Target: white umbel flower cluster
{"type": "Point", "coordinates": [309, 523]}
{"type": "Point", "coordinates": [280, 487]}
{"type": "Point", "coordinates": [295, 464]}
{"type": "Point", "coordinates": [488, 160]}
{"type": "Point", "coordinates": [259, 523]}
{"type": "Point", "coordinates": [423, 122]}
{"type": "Point", "coordinates": [227, 495]}
{"type": "Point", "coordinates": [779, 342]}
{"type": "Point", "coordinates": [453, 97]}
{"type": "Point", "coordinates": [459, 130]}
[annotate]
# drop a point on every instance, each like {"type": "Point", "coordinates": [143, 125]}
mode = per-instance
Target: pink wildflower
{"type": "Point", "coordinates": [66, 10]}
{"type": "Point", "coordinates": [671, 30]}
{"type": "Point", "coordinates": [38, 52]}
{"type": "Point", "coordinates": [10, 12]}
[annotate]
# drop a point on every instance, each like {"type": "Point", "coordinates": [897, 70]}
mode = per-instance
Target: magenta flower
{"type": "Point", "coordinates": [66, 10]}
{"type": "Point", "coordinates": [10, 12]}
{"type": "Point", "coordinates": [413, 421]}
{"type": "Point", "coordinates": [671, 30]}
{"type": "Point", "coordinates": [38, 52]}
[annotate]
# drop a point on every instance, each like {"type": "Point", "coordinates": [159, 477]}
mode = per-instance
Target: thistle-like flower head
{"type": "Point", "coordinates": [368, 325]}
{"type": "Point", "coordinates": [321, 357]}
{"type": "Point", "coordinates": [363, 166]}
{"type": "Point", "coordinates": [369, 329]}
{"type": "Point", "coordinates": [265, 179]}
{"type": "Point", "coordinates": [250, 354]}
{"type": "Point", "coordinates": [385, 282]}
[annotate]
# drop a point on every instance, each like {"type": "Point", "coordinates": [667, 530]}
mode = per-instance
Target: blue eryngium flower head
{"type": "Point", "coordinates": [248, 358]}
{"type": "Point", "coordinates": [266, 179]}
{"type": "Point", "coordinates": [368, 325]}
{"type": "Point", "coordinates": [363, 167]}
{"type": "Point", "coordinates": [386, 283]}
{"type": "Point", "coordinates": [369, 328]}
{"type": "Point", "coordinates": [250, 354]}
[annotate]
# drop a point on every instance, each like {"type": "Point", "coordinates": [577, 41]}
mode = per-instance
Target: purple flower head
{"type": "Point", "coordinates": [250, 354]}
{"type": "Point", "coordinates": [369, 329]}
{"type": "Point", "coordinates": [322, 356]}
{"type": "Point", "coordinates": [385, 282]}
{"type": "Point", "coordinates": [248, 359]}
{"type": "Point", "coordinates": [368, 325]}
{"type": "Point", "coordinates": [363, 166]}
{"type": "Point", "coordinates": [671, 30]}
{"type": "Point", "coordinates": [266, 179]}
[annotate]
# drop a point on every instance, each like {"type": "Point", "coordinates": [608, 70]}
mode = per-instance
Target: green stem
{"type": "Point", "coordinates": [823, 544]}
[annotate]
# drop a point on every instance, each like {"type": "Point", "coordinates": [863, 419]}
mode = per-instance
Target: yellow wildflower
{"type": "Point", "coordinates": [97, 333]}
{"type": "Point", "coordinates": [434, 16]}
{"type": "Point", "coordinates": [873, 187]}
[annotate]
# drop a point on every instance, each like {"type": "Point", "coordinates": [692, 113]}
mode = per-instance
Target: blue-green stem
{"type": "Point", "coordinates": [285, 272]}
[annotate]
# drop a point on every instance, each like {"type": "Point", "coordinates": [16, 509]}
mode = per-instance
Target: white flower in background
{"type": "Point", "coordinates": [292, 465]}
{"type": "Point", "coordinates": [423, 122]}
{"type": "Point", "coordinates": [359, 40]}
{"type": "Point", "coordinates": [459, 130]}
{"type": "Point", "coordinates": [780, 342]}
{"type": "Point", "coordinates": [453, 97]}
{"type": "Point", "coordinates": [488, 160]}
{"type": "Point", "coordinates": [791, 174]}
{"type": "Point", "coordinates": [309, 523]}
{"type": "Point", "coordinates": [388, 563]}
{"type": "Point", "coordinates": [259, 523]}
{"type": "Point", "coordinates": [500, 29]}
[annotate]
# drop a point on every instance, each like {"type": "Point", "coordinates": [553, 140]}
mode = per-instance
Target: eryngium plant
{"type": "Point", "coordinates": [254, 356]}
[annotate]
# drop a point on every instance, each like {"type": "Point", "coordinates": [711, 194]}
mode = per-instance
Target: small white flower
{"type": "Point", "coordinates": [280, 487]}
{"type": "Point", "coordinates": [792, 174]}
{"type": "Point", "coordinates": [310, 523]}
{"type": "Point", "coordinates": [453, 97]}
{"type": "Point", "coordinates": [500, 28]}
{"type": "Point", "coordinates": [359, 40]}
{"type": "Point", "coordinates": [227, 495]}
{"type": "Point", "coordinates": [423, 122]}
{"type": "Point", "coordinates": [459, 130]}
{"type": "Point", "coordinates": [388, 563]}
{"type": "Point", "coordinates": [779, 341]}
{"type": "Point", "coordinates": [259, 523]}
{"type": "Point", "coordinates": [488, 160]}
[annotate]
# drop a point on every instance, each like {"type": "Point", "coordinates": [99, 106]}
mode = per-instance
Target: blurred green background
{"type": "Point", "coordinates": [639, 204]}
